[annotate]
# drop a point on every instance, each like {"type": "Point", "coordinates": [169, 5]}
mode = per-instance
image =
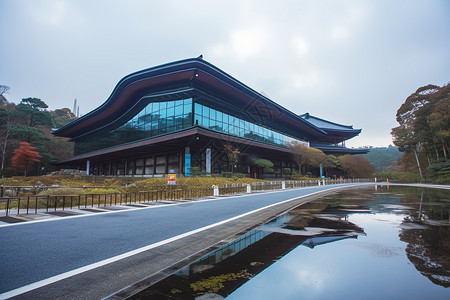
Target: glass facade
{"type": "Point", "coordinates": [219, 121]}
{"type": "Point", "coordinates": [157, 118]}
{"type": "Point", "coordinates": [154, 119]}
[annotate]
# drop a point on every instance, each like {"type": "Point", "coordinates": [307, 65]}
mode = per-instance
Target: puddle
{"type": "Point", "coordinates": [345, 245]}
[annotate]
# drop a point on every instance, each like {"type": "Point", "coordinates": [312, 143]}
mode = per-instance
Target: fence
{"type": "Point", "coordinates": [49, 203]}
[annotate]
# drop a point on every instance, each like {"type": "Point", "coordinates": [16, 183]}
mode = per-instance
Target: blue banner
{"type": "Point", "coordinates": [187, 164]}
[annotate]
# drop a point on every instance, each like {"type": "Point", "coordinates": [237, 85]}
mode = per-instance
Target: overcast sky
{"type": "Point", "coordinates": [350, 62]}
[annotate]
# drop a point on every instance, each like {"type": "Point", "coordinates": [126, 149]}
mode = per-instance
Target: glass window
{"type": "Point", "coordinates": [160, 159]}
{"type": "Point", "coordinates": [205, 111]}
{"type": "Point", "coordinates": [170, 123]}
{"type": "Point", "coordinates": [225, 118]}
{"type": "Point", "coordinates": [205, 121]}
{"type": "Point", "coordinates": [130, 167]}
{"type": "Point", "coordinates": [178, 102]}
{"type": "Point", "coordinates": [198, 119]}
{"type": "Point", "coordinates": [198, 109]}
{"type": "Point", "coordinates": [232, 120]}
{"type": "Point", "coordinates": [148, 170]}
{"type": "Point", "coordinates": [139, 166]}
{"type": "Point", "coordinates": [219, 116]}
{"type": "Point", "coordinates": [178, 110]}
{"type": "Point", "coordinates": [226, 127]}
{"type": "Point", "coordinates": [212, 123]}
{"type": "Point", "coordinates": [171, 158]}
{"type": "Point", "coordinates": [173, 168]}
{"type": "Point", "coordinates": [120, 168]}
{"type": "Point", "coordinates": [163, 113]}
{"type": "Point", "coordinates": [212, 114]}
{"type": "Point", "coordinates": [171, 111]}
{"type": "Point", "coordinates": [160, 169]}
{"type": "Point", "coordinates": [162, 105]}
{"type": "Point", "coordinates": [149, 161]}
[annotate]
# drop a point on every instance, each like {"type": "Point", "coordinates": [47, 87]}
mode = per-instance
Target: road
{"type": "Point", "coordinates": [40, 253]}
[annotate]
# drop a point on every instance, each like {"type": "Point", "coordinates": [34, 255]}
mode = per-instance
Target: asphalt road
{"type": "Point", "coordinates": [35, 251]}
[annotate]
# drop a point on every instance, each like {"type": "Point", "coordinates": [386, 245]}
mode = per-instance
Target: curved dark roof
{"type": "Point", "coordinates": [199, 74]}
{"type": "Point", "coordinates": [338, 131]}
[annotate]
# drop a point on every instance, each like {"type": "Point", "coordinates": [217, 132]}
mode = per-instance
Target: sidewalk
{"type": "Point", "coordinates": [43, 215]}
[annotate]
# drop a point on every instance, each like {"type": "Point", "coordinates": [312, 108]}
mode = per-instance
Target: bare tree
{"type": "Point", "coordinates": [3, 89]}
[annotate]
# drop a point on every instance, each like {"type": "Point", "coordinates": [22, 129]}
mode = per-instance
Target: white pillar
{"type": "Point", "coordinates": [216, 191]}
{"type": "Point", "coordinates": [249, 188]}
{"type": "Point", "coordinates": [283, 185]}
{"type": "Point", "coordinates": [208, 160]}
{"type": "Point", "coordinates": [88, 166]}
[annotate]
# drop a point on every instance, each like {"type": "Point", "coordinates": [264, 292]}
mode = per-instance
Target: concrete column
{"type": "Point", "coordinates": [208, 160]}
{"type": "Point", "coordinates": [88, 166]}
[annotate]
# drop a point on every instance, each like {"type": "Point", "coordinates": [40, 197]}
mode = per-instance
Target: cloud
{"type": "Point", "coordinates": [243, 43]}
{"type": "Point", "coordinates": [301, 46]}
{"type": "Point", "coordinates": [339, 33]}
{"type": "Point", "coordinates": [306, 80]}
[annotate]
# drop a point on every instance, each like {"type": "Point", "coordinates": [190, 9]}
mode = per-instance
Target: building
{"type": "Point", "coordinates": [184, 114]}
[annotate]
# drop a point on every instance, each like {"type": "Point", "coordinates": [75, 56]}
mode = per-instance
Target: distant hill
{"type": "Point", "coordinates": [384, 159]}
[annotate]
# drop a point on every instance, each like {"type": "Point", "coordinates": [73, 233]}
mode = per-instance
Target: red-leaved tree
{"type": "Point", "coordinates": [24, 156]}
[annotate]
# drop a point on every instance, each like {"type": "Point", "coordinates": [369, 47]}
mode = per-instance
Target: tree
{"type": "Point", "coordinates": [356, 166]}
{"type": "Point", "coordinates": [24, 156]}
{"type": "Point", "coordinates": [424, 129]}
{"type": "Point", "coordinates": [233, 154]}
{"type": "Point", "coordinates": [301, 154]}
{"type": "Point", "coordinates": [3, 89]}
{"type": "Point", "coordinates": [266, 164]}
{"type": "Point", "coordinates": [308, 156]}
{"type": "Point", "coordinates": [34, 110]}
{"type": "Point", "coordinates": [62, 116]}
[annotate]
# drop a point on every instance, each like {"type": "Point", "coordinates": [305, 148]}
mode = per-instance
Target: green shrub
{"type": "Point", "coordinates": [287, 171]}
{"type": "Point", "coordinates": [63, 191]}
{"type": "Point", "coordinates": [101, 191]}
{"type": "Point", "coordinates": [398, 176]}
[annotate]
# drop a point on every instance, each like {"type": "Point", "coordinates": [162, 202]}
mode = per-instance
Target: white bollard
{"type": "Point", "coordinates": [216, 191]}
{"type": "Point", "coordinates": [249, 188]}
{"type": "Point", "coordinates": [283, 185]}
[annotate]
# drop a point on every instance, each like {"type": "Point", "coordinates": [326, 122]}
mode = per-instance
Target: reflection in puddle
{"type": "Point", "coordinates": [352, 248]}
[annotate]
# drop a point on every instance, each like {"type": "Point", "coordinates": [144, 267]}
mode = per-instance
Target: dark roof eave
{"type": "Point", "coordinates": [180, 71]}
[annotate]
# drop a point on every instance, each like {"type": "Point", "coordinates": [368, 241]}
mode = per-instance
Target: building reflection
{"type": "Point", "coordinates": [226, 269]}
